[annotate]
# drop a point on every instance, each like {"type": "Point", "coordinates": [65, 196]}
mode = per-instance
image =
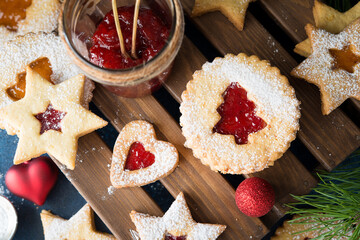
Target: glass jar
{"type": "Point", "coordinates": [78, 22]}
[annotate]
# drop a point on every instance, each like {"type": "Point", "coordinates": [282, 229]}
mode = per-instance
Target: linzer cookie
{"type": "Point", "coordinates": [46, 54]}
{"type": "Point", "coordinates": [139, 158]}
{"type": "Point", "coordinates": [50, 119]}
{"type": "Point", "coordinates": [79, 226]}
{"type": "Point", "coordinates": [334, 65]}
{"type": "Point", "coordinates": [239, 114]}
{"type": "Point", "coordinates": [329, 19]}
{"type": "Point", "coordinates": [18, 17]}
{"type": "Point", "coordinates": [234, 10]}
{"type": "Point", "coordinates": [177, 223]}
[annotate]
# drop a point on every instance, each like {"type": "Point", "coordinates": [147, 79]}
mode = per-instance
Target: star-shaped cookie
{"type": "Point", "coordinates": [176, 222]}
{"type": "Point", "coordinates": [79, 226]}
{"type": "Point", "coordinates": [329, 19]}
{"type": "Point", "coordinates": [46, 54]}
{"type": "Point", "coordinates": [334, 65]}
{"type": "Point", "coordinates": [234, 10]}
{"type": "Point", "coordinates": [65, 98]}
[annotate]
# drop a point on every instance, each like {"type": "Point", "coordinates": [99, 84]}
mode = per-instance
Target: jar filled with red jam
{"type": "Point", "coordinates": [88, 29]}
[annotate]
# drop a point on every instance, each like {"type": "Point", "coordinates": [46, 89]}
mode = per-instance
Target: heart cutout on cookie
{"type": "Point", "coordinates": [32, 180]}
{"type": "Point", "coordinates": [139, 158]}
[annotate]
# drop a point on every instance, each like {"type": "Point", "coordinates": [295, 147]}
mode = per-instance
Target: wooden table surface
{"type": "Point", "coordinates": [210, 196]}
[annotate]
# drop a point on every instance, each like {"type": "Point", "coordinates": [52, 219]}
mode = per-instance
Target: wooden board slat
{"type": "Point", "coordinates": [292, 16]}
{"type": "Point", "coordinates": [329, 138]}
{"type": "Point", "coordinates": [288, 167]}
{"type": "Point", "coordinates": [91, 178]}
{"type": "Point", "coordinates": [209, 196]}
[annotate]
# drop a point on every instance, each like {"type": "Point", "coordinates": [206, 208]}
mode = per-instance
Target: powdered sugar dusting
{"type": "Point", "coordinates": [41, 16]}
{"type": "Point", "coordinates": [16, 54]}
{"type": "Point", "coordinates": [166, 156]}
{"type": "Point", "coordinates": [3, 190]}
{"type": "Point", "coordinates": [336, 85]}
{"type": "Point", "coordinates": [176, 221]}
{"type": "Point", "coordinates": [276, 105]}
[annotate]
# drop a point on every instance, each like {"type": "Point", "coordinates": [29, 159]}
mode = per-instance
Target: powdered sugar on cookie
{"type": "Point", "coordinates": [275, 103]}
{"type": "Point", "coordinates": [166, 156]}
{"type": "Point", "coordinates": [17, 54]}
{"type": "Point", "coordinates": [41, 16]}
{"type": "Point", "coordinates": [336, 85]}
{"type": "Point", "coordinates": [177, 221]}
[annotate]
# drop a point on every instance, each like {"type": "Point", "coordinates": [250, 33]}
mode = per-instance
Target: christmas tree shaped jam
{"type": "Point", "coordinates": [238, 115]}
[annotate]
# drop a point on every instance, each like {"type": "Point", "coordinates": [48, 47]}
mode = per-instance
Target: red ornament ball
{"type": "Point", "coordinates": [255, 197]}
{"type": "Point", "coordinates": [32, 180]}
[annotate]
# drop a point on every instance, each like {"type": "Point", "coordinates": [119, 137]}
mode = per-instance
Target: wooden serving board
{"type": "Point", "coordinates": [210, 197]}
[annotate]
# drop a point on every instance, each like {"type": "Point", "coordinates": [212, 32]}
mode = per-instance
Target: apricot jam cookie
{"type": "Point", "coordinates": [239, 114]}
{"type": "Point", "coordinates": [50, 119]}
{"type": "Point", "coordinates": [177, 223]}
{"type": "Point", "coordinates": [18, 17]}
{"type": "Point", "coordinates": [45, 54]}
{"type": "Point", "coordinates": [334, 65]}
{"type": "Point", "coordinates": [329, 19]}
{"type": "Point", "coordinates": [79, 226]}
{"type": "Point", "coordinates": [139, 158]}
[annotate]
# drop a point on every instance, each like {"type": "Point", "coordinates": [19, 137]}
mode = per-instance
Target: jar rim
{"type": "Point", "coordinates": [138, 73]}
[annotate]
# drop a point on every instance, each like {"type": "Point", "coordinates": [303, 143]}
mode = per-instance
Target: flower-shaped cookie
{"type": "Point", "coordinates": [139, 158]}
{"type": "Point", "coordinates": [239, 114]}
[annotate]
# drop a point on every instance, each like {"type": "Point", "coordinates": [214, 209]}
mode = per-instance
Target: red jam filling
{"type": "Point", "coordinates": [168, 236]}
{"type": "Point", "coordinates": [238, 115]}
{"type": "Point", "coordinates": [138, 158]}
{"type": "Point", "coordinates": [50, 119]}
{"type": "Point", "coordinates": [152, 34]}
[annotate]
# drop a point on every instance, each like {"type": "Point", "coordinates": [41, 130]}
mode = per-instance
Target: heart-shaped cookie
{"type": "Point", "coordinates": [139, 158]}
{"type": "Point", "coordinates": [32, 180]}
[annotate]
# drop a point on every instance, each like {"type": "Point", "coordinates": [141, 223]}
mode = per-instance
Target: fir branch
{"type": "Point", "coordinates": [333, 207]}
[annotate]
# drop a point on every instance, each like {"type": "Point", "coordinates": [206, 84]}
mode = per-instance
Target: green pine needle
{"type": "Point", "coordinates": [333, 207]}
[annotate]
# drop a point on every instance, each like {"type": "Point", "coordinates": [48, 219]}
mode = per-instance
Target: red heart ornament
{"type": "Point", "coordinates": [32, 180]}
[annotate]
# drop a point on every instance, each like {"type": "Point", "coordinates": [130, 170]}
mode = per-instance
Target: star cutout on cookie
{"type": "Point", "coordinates": [41, 135]}
{"type": "Point", "coordinates": [234, 10]}
{"type": "Point", "coordinates": [329, 19]}
{"type": "Point", "coordinates": [345, 58]}
{"type": "Point", "coordinates": [334, 65]}
{"type": "Point", "coordinates": [177, 223]}
{"type": "Point", "coordinates": [79, 226]}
